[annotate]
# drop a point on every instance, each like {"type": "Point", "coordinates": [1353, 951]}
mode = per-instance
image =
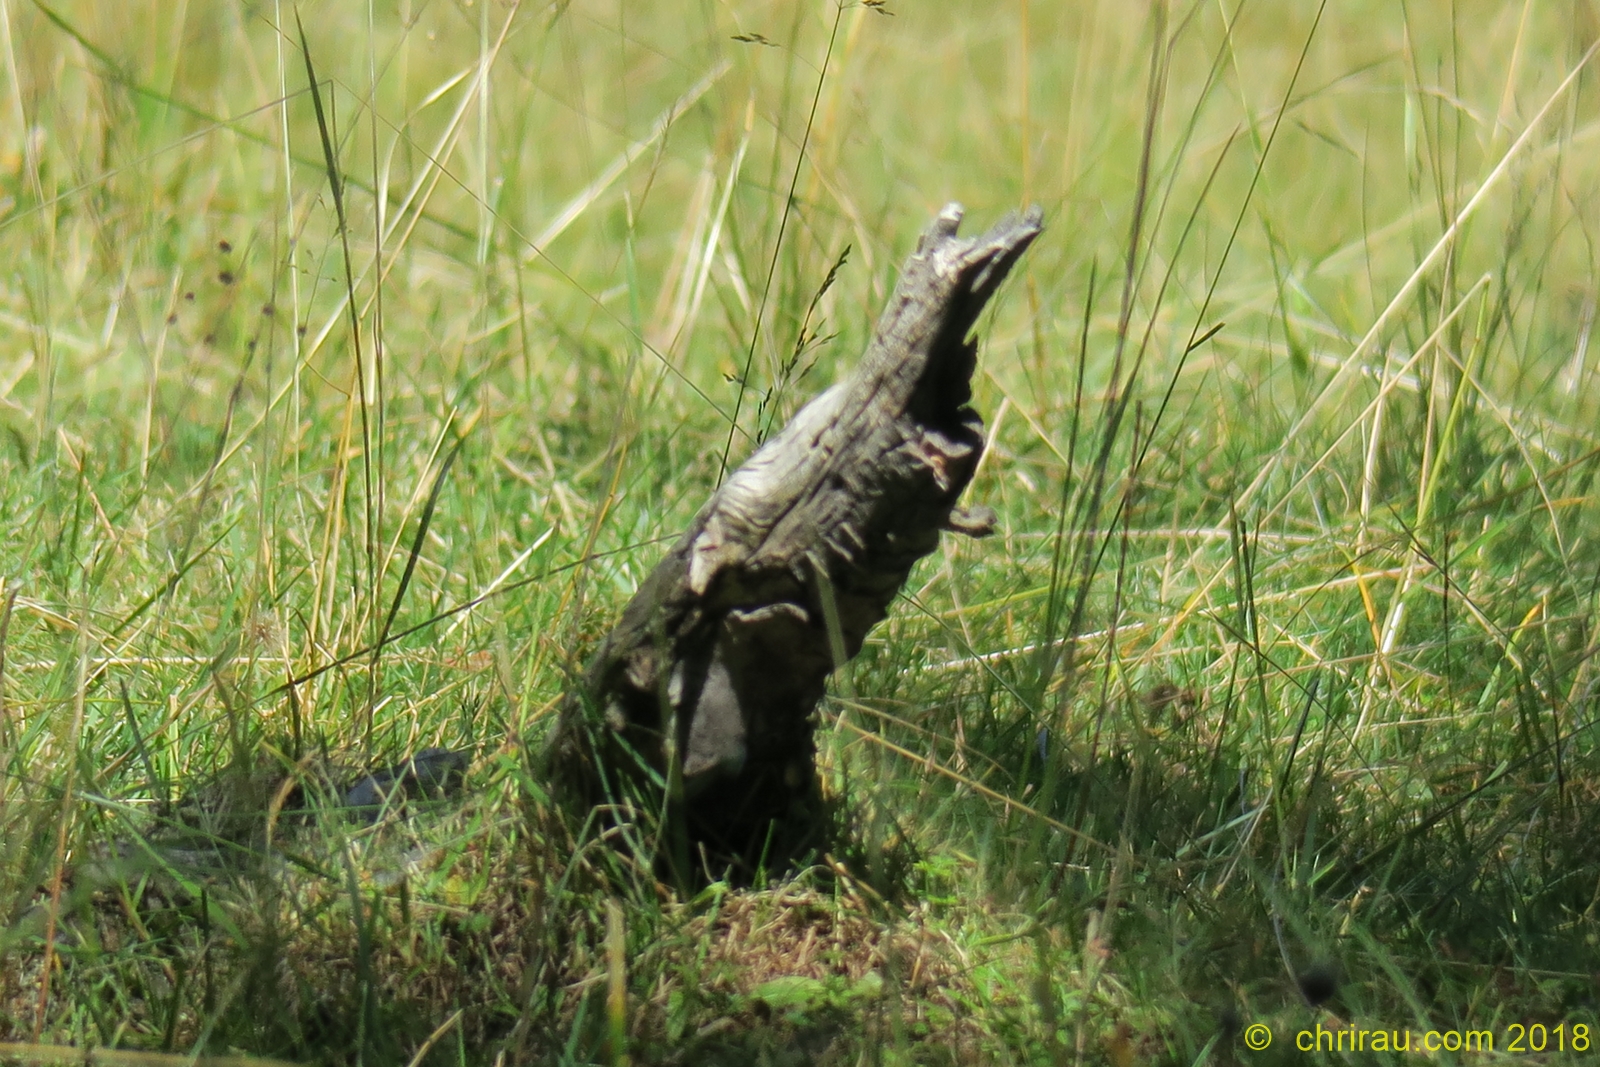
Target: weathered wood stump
{"type": "Point", "coordinates": [699, 704]}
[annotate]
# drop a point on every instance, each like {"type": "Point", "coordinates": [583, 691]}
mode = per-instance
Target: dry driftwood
{"type": "Point", "coordinates": [705, 690]}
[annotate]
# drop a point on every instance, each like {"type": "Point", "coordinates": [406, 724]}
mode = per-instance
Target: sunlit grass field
{"type": "Point", "coordinates": [358, 361]}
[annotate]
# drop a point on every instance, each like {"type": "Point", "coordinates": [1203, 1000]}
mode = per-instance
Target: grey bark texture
{"type": "Point", "coordinates": [704, 692]}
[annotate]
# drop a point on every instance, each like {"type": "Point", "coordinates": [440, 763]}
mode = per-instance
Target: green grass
{"type": "Point", "coordinates": [1280, 669]}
